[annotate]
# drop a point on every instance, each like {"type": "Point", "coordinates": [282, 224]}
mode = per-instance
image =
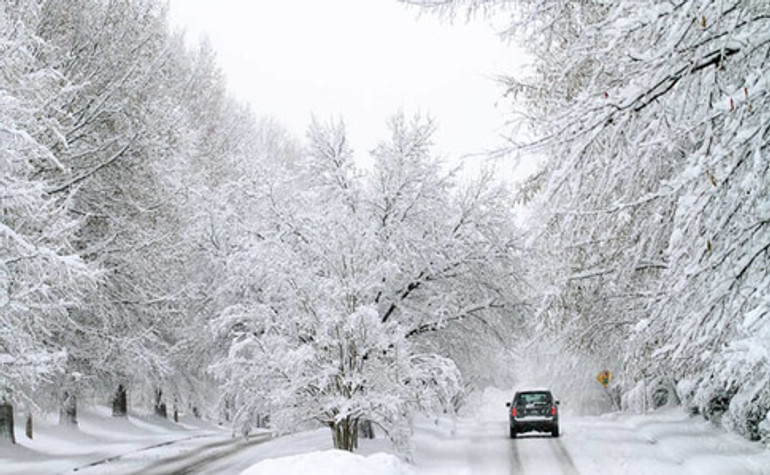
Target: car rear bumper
{"type": "Point", "coordinates": [537, 424]}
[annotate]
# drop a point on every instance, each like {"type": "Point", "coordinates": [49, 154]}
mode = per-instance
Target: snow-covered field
{"type": "Point", "coordinates": [664, 442]}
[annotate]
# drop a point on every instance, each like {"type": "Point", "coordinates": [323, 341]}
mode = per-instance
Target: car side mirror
{"type": "Point", "coordinates": [557, 403]}
{"type": "Point", "coordinates": [507, 404]}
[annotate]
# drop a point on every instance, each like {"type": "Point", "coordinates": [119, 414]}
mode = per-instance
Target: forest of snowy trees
{"type": "Point", "coordinates": [162, 246]}
{"type": "Point", "coordinates": [165, 248]}
{"type": "Point", "coordinates": [651, 229]}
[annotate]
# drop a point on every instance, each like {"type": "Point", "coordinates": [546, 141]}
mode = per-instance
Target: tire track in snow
{"type": "Point", "coordinates": [143, 449]}
{"type": "Point", "coordinates": [189, 462]}
{"type": "Point", "coordinates": [515, 467]}
{"type": "Point", "coordinates": [566, 464]}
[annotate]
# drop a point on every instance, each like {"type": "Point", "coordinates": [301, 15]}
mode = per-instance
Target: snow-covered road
{"type": "Point", "coordinates": [536, 455]}
{"type": "Point", "coordinates": [668, 442]}
{"type": "Point", "coordinates": [483, 447]}
{"type": "Point", "coordinates": [664, 442]}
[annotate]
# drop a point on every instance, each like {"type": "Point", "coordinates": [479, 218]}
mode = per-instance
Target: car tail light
{"type": "Point", "coordinates": [513, 412]}
{"type": "Point", "coordinates": [553, 410]}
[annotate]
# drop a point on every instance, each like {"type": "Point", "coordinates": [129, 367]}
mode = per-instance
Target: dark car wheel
{"type": "Point", "coordinates": [555, 431]}
{"type": "Point", "coordinates": [513, 433]}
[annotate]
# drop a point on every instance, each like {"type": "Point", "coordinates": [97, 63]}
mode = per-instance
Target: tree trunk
{"type": "Point", "coordinates": [29, 426]}
{"type": "Point", "coordinates": [226, 410]}
{"type": "Point", "coordinates": [120, 402]}
{"type": "Point", "coordinates": [263, 421]}
{"type": "Point", "coordinates": [160, 406]}
{"type": "Point", "coordinates": [345, 434]}
{"type": "Point", "coordinates": [68, 412]}
{"type": "Point", "coordinates": [366, 429]}
{"type": "Point", "coordinates": [6, 423]}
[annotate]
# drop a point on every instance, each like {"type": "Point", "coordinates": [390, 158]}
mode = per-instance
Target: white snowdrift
{"type": "Point", "coordinates": [330, 462]}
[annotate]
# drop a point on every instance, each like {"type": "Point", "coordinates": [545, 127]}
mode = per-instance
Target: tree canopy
{"type": "Point", "coordinates": [651, 225]}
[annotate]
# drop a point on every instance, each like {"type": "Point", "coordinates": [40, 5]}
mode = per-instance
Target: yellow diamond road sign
{"type": "Point", "coordinates": [604, 378]}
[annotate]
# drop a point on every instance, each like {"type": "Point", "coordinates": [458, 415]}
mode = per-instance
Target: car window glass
{"type": "Point", "coordinates": [534, 398]}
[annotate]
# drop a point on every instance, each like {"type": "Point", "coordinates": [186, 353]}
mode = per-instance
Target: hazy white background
{"type": "Point", "coordinates": [361, 60]}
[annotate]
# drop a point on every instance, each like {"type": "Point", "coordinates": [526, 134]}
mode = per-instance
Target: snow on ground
{"type": "Point", "coordinates": [661, 443]}
{"type": "Point", "coordinates": [56, 449]}
{"type": "Point", "coordinates": [664, 442]}
{"type": "Point", "coordinates": [331, 462]}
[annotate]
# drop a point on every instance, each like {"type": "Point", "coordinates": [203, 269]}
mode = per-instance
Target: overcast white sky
{"type": "Point", "coordinates": [361, 60]}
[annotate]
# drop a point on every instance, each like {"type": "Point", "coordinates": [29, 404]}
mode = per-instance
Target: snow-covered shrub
{"type": "Point", "coordinates": [663, 394]}
{"type": "Point", "coordinates": [737, 391]}
{"type": "Point", "coordinates": [745, 364]}
{"type": "Point", "coordinates": [764, 430]}
{"type": "Point", "coordinates": [634, 400]}
{"type": "Point", "coordinates": [685, 392]}
{"type": "Point", "coordinates": [716, 403]}
{"type": "Point", "coordinates": [650, 394]}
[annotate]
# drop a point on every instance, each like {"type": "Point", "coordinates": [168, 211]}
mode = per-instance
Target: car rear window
{"type": "Point", "coordinates": [533, 398]}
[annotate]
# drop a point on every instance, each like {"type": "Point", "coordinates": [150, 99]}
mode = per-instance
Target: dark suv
{"type": "Point", "coordinates": [533, 410]}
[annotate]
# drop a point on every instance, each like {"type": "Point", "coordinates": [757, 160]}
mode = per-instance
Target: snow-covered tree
{"type": "Point", "coordinates": [42, 277]}
{"type": "Point", "coordinates": [465, 275]}
{"type": "Point", "coordinates": [226, 211]}
{"type": "Point", "coordinates": [123, 159]}
{"type": "Point", "coordinates": [116, 106]}
{"type": "Point", "coordinates": [117, 127]}
{"type": "Point", "coordinates": [349, 279]}
{"type": "Point", "coordinates": [653, 212]}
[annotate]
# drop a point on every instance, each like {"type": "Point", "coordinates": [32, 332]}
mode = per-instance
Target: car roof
{"type": "Point", "coordinates": [534, 390]}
